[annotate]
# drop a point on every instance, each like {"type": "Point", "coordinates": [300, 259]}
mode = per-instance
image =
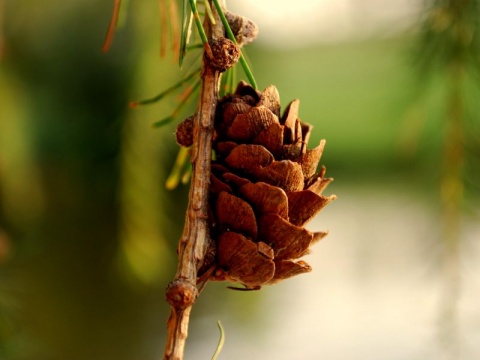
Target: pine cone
{"type": "Point", "coordinates": [264, 188]}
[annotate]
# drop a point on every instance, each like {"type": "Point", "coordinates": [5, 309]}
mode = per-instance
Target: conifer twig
{"type": "Point", "coordinates": [182, 291]}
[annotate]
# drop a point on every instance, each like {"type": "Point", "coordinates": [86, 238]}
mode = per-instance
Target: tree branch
{"type": "Point", "coordinates": [182, 291]}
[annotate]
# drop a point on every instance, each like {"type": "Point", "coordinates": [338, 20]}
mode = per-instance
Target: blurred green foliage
{"type": "Point", "coordinates": [87, 230]}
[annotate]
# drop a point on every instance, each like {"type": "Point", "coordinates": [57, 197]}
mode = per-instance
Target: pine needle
{"type": "Point", "coordinates": [176, 174]}
{"type": "Point", "coordinates": [187, 21]}
{"type": "Point", "coordinates": [186, 175]}
{"type": "Point", "coordinates": [209, 12]}
{"type": "Point", "coordinates": [198, 22]}
{"type": "Point", "coordinates": [221, 341]}
{"type": "Point", "coordinates": [163, 122]}
{"type": "Point", "coordinates": [112, 26]}
{"type": "Point", "coordinates": [166, 92]}
{"type": "Point", "coordinates": [183, 100]}
{"type": "Point", "coordinates": [174, 28]}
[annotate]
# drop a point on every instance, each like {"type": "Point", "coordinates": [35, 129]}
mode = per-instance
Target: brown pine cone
{"type": "Point", "coordinates": [264, 188]}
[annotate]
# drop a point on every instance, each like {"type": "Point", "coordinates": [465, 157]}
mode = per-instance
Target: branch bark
{"type": "Point", "coordinates": [182, 292]}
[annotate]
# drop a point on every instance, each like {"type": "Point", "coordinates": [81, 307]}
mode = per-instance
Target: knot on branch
{"type": "Point", "coordinates": [225, 54]}
{"type": "Point", "coordinates": [181, 294]}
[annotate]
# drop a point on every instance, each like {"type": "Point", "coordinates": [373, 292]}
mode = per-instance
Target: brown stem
{"type": "Point", "coordinates": [182, 291]}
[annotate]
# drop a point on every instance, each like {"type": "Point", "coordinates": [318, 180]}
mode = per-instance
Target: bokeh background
{"type": "Point", "coordinates": [88, 231]}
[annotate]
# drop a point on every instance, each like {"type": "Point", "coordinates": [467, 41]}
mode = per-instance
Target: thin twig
{"type": "Point", "coordinates": [182, 291]}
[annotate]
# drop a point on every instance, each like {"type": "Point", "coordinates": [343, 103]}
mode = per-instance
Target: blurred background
{"type": "Point", "coordinates": [88, 231]}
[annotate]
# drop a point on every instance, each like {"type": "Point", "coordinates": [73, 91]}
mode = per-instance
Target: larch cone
{"type": "Point", "coordinates": [264, 188]}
